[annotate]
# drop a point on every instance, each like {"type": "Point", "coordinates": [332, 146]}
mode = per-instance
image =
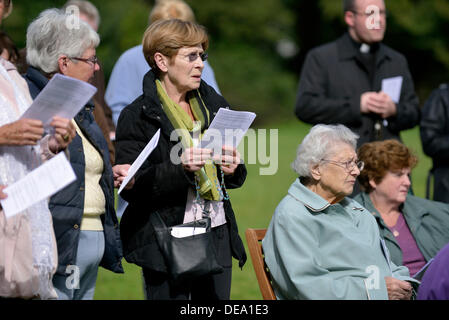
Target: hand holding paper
{"type": "Point", "coordinates": [379, 103]}
{"type": "Point", "coordinates": [64, 133]}
{"type": "Point", "coordinates": [23, 132]}
{"type": "Point", "coordinates": [120, 172]}
{"type": "Point", "coordinates": [193, 159]}
{"type": "Point", "coordinates": [228, 160]}
{"type": "Point", "coordinates": [2, 195]}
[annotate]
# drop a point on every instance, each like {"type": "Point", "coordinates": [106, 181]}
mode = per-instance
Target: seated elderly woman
{"type": "Point", "coordinates": [84, 218]}
{"type": "Point", "coordinates": [414, 229]}
{"type": "Point", "coordinates": [321, 244]}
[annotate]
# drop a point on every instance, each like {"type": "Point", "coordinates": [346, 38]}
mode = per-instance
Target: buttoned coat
{"type": "Point", "coordinates": [162, 184]}
{"type": "Point", "coordinates": [333, 79]}
{"type": "Point", "coordinates": [317, 250]}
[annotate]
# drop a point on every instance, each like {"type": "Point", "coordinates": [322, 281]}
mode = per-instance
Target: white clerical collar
{"type": "Point", "coordinates": [364, 48]}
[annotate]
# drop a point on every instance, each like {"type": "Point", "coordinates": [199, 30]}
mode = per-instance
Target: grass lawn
{"type": "Point", "coordinates": [254, 205]}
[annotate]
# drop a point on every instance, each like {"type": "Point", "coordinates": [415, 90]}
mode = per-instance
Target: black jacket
{"type": "Point", "coordinates": [67, 206]}
{"type": "Point", "coordinates": [434, 129]}
{"type": "Point", "coordinates": [334, 78]}
{"type": "Point", "coordinates": [161, 185]}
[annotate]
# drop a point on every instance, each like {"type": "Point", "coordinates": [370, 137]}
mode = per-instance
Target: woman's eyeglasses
{"type": "Point", "coordinates": [348, 165]}
{"type": "Point", "coordinates": [192, 57]}
{"type": "Point", "coordinates": [93, 60]}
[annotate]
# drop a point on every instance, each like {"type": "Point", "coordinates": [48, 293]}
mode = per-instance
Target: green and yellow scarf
{"type": "Point", "coordinates": [207, 177]}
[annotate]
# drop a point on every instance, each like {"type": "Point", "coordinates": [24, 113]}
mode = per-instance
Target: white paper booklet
{"type": "Point", "coordinates": [392, 87]}
{"type": "Point", "coordinates": [140, 159]}
{"type": "Point", "coordinates": [62, 96]}
{"type": "Point", "coordinates": [39, 184]}
{"type": "Point", "coordinates": [227, 128]}
{"type": "Point", "coordinates": [182, 232]}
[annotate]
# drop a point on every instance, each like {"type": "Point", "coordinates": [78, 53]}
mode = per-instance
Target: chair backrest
{"type": "Point", "coordinates": [254, 239]}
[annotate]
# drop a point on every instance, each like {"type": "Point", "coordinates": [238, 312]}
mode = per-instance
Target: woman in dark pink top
{"type": "Point", "coordinates": [414, 229]}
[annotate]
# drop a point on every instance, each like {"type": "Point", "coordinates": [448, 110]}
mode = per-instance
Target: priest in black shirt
{"type": "Point", "coordinates": [341, 82]}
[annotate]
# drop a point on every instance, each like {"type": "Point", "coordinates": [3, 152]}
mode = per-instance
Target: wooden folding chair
{"type": "Point", "coordinates": [254, 239]}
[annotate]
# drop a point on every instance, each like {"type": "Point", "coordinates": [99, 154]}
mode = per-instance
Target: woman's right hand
{"type": "Point", "coordinates": [120, 172]}
{"type": "Point", "coordinates": [193, 159]}
{"type": "Point", "coordinates": [2, 194]}
{"type": "Point", "coordinates": [22, 132]}
{"type": "Point", "coordinates": [398, 289]}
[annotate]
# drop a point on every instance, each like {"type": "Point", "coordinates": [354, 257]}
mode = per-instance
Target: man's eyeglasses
{"type": "Point", "coordinates": [93, 60]}
{"type": "Point", "coordinates": [348, 165]}
{"type": "Point", "coordinates": [194, 56]}
{"type": "Point", "coordinates": [368, 14]}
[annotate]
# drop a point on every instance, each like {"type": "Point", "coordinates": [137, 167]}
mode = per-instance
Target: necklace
{"type": "Point", "coordinates": [398, 225]}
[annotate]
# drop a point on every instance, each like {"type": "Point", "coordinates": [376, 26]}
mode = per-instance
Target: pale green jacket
{"type": "Point", "coordinates": [316, 250]}
{"type": "Point", "coordinates": [427, 220]}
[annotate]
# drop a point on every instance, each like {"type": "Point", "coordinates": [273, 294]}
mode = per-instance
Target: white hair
{"type": "Point", "coordinates": [51, 35]}
{"type": "Point", "coordinates": [318, 144]}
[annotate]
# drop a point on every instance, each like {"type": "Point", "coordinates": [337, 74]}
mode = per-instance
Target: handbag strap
{"type": "Point", "coordinates": [206, 210]}
{"type": "Point", "coordinates": [157, 221]}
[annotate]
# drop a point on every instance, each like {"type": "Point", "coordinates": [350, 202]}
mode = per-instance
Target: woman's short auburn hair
{"type": "Point", "coordinates": [381, 157]}
{"type": "Point", "coordinates": [168, 36]}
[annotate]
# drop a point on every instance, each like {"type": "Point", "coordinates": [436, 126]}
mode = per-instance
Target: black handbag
{"type": "Point", "coordinates": [188, 257]}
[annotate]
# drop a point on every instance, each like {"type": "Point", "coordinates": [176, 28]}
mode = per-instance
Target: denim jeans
{"type": "Point", "coordinates": [79, 283]}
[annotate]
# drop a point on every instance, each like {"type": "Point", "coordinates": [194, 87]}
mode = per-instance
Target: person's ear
{"type": "Point", "coordinates": [373, 184]}
{"type": "Point", "coordinates": [349, 18]}
{"type": "Point", "coordinates": [315, 172]}
{"type": "Point", "coordinates": [63, 64]}
{"type": "Point", "coordinates": [161, 61]}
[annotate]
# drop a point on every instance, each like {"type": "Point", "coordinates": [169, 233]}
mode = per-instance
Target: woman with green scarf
{"type": "Point", "coordinates": [178, 180]}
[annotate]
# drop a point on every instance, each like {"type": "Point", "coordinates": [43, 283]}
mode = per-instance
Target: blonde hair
{"type": "Point", "coordinates": [171, 9]}
{"type": "Point", "coordinates": [168, 36]}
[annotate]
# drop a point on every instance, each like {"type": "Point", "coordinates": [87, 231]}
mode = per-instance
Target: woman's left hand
{"type": "Point", "coordinates": [228, 160]}
{"type": "Point", "coordinates": [65, 132]}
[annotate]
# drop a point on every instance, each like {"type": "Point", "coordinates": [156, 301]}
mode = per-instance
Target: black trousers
{"type": "Point", "coordinates": [158, 285]}
{"type": "Point", "coordinates": [441, 184]}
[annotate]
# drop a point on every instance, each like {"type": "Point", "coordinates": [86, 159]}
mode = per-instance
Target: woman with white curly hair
{"type": "Point", "coordinates": [322, 245]}
{"type": "Point", "coordinates": [84, 218]}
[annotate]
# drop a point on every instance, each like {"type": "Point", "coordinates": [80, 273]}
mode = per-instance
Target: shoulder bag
{"type": "Point", "coordinates": [187, 257]}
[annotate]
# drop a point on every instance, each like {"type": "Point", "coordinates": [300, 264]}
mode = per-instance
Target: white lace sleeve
{"type": "Point", "coordinates": [46, 153]}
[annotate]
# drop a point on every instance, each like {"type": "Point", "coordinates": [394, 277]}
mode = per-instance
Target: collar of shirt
{"type": "Point", "coordinates": [349, 49]}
